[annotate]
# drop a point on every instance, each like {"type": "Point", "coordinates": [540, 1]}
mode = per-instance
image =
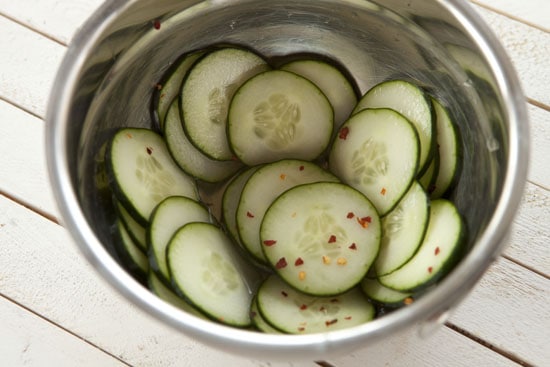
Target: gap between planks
{"type": "Point", "coordinates": [488, 345]}
{"type": "Point", "coordinates": [63, 328]}
{"type": "Point", "coordinates": [508, 15]}
{"type": "Point", "coordinates": [51, 38]}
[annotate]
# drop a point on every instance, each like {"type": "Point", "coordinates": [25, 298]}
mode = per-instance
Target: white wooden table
{"type": "Point", "coordinates": [56, 311]}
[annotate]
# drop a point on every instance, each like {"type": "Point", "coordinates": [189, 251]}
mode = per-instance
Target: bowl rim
{"type": "Point", "coordinates": [431, 306]}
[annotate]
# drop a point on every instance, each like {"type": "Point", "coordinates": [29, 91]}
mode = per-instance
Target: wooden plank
{"type": "Point", "coordinates": [46, 345]}
{"type": "Point", "coordinates": [530, 235]}
{"type": "Point", "coordinates": [22, 145]}
{"type": "Point", "coordinates": [443, 348]}
{"type": "Point", "coordinates": [539, 169]}
{"type": "Point", "coordinates": [533, 12]}
{"type": "Point", "coordinates": [509, 309]}
{"type": "Point", "coordinates": [27, 73]}
{"type": "Point", "coordinates": [528, 49]}
{"type": "Point", "coordinates": [65, 289]}
{"type": "Point", "coordinates": [58, 19]}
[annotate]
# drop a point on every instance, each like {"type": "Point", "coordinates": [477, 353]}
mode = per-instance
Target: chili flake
{"type": "Point", "coordinates": [269, 242]}
{"type": "Point", "coordinates": [331, 322]}
{"type": "Point", "coordinates": [408, 301]}
{"type": "Point", "coordinates": [322, 309]}
{"type": "Point", "coordinates": [363, 222]}
{"type": "Point", "coordinates": [353, 246]}
{"type": "Point", "coordinates": [332, 239]}
{"type": "Point", "coordinates": [129, 136]}
{"type": "Point", "coordinates": [430, 269]}
{"type": "Point", "coordinates": [341, 261]}
{"type": "Point", "coordinates": [299, 261]}
{"type": "Point", "coordinates": [334, 300]}
{"type": "Point", "coordinates": [347, 317]}
{"type": "Point", "coordinates": [301, 168]}
{"type": "Point", "coordinates": [343, 133]}
{"type": "Point", "coordinates": [326, 259]}
{"type": "Point", "coordinates": [282, 176]}
{"type": "Point", "coordinates": [281, 263]}
{"type": "Point", "coordinates": [156, 24]}
{"type": "Point", "coordinates": [383, 191]}
{"type": "Point", "coordinates": [302, 275]}
{"type": "Point", "coordinates": [284, 294]}
{"type": "Point", "coordinates": [301, 328]}
{"type": "Point", "coordinates": [437, 250]}
{"type": "Point", "coordinates": [303, 307]}
{"type": "Point", "coordinates": [350, 215]}
{"type": "Point", "coordinates": [159, 87]}
{"type": "Point", "coordinates": [249, 215]}
{"type": "Point", "coordinates": [162, 95]}
{"type": "Point", "coordinates": [149, 150]}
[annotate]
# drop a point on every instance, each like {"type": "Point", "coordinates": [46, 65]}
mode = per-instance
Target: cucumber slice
{"type": "Point", "coordinates": [135, 230]}
{"type": "Point", "coordinates": [411, 101]}
{"type": "Point", "coordinates": [170, 87]}
{"type": "Point", "coordinates": [230, 201]}
{"type": "Point", "coordinates": [321, 238]}
{"type": "Point", "coordinates": [384, 296]}
{"type": "Point", "coordinates": [294, 312]}
{"type": "Point", "coordinates": [332, 82]}
{"type": "Point", "coordinates": [188, 157]}
{"type": "Point", "coordinates": [449, 152]}
{"type": "Point", "coordinates": [403, 230]}
{"type": "Point", "coordinates": [169, 215]}
{"type": "Point", "coordinates": [159, 288]}
{"type": "Point", "coordinates": [262, 188]}
{"type": "Point", "coordinates": [377, 152]}
{"type": "Point", "coordinates": [130, 253]}
{"type": "Point", "coordinates": [258, 320]}
{"type": "Point", "coordinates": [206, 93]}
{"type": "Point", "coordinates": [143, 173]}
{"type": "Point", "coordinates": [427, 181]}
{"type": "Point", "coordinates": [440, 249]}
{"type": "Point", "coordinates": [276, 115]}
{"type": "Point", "coordinates": [206, 270]}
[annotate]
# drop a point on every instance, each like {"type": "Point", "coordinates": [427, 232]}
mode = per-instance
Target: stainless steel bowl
{"type": "Point", "coordinates": [106, 79]}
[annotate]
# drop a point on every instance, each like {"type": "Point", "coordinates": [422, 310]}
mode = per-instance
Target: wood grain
{"type": "Point", "coordinates": [57, 19]}
{"type": "Point", "coordinates": [47, 345]}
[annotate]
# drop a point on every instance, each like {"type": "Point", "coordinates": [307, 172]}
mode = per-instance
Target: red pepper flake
{"type": "Point", "coordinates": [249, 215]}
{"type": "Point", "coordinates": [363, 222]}
{"type": "Point", "coordinates": [347, 317]}
{"type": "Point", "coordinates": [303, 307]}
{"type": "Point", "coordinates": [129, 136]}
{"type": "Point", "coordinates": [407, 301]}
{"type": "Point", "coordinates": [149, 150]}
{"type": "Point", "coordinates": [156, 24]}
{"type": "Point", "coordinates": [353, 246]}
{"type": "Point", "coordinates": [159, 87]}
{"type": "Point", "coordinates": [332, 239]}
{"type": "Point", "coordinates": [299, 261]}
{"type": "Point", "coordinates": [282, 176]}
{"type": "Point", "coordinates": [383, 191]}
{"type": "Point", "coordinates": [350, 215]}
{"type": "Point", "coordinates": [281, 263]}
{"type": "Point", "coordinates": [430, 269]}
{"type": "Point", "coordinates": [284, 294]}
{"type": "Point", "coordinates": [343, 133]}
{"type": "Point", "coordinates": [437, 250]}
{"type": "Point", "coordinates": [301, 328]}
{"type": "Point", "coordinates": [367, 219]}
{"type": "Point", "coordinates": [334, 300]}
{"type": "Point", "coordinates": [269, 242]}
{"type": "Point", "coordinates": [322, 309]}
{"type": "Point", "coordinates": [302, 168]}
{"type": "Point", "coordinates": [331, 322]}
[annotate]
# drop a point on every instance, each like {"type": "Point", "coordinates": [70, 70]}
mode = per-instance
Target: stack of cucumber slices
{"type": "Point", "coordinates": [332, 206]}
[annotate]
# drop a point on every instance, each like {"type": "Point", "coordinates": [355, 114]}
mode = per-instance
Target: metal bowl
{"type": "Point", "coordinates": [106, 81]}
